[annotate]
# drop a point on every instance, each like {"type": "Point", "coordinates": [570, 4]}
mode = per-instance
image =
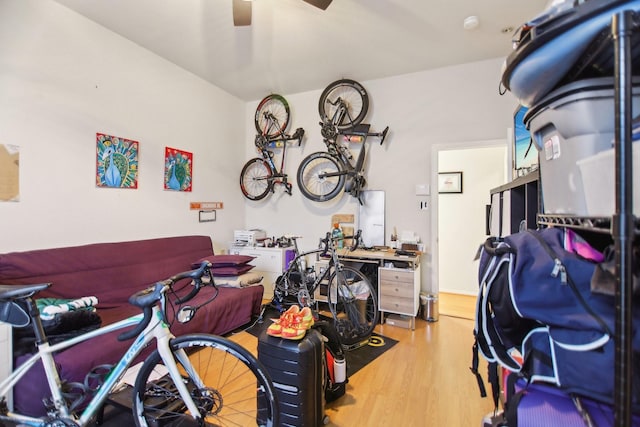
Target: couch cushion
{"type": "Point", "coordinates": [232, 270]}
{"type": "Point", "coordinates": [227, 260]}
{"type": "Point", "coordinates": [112, 271]}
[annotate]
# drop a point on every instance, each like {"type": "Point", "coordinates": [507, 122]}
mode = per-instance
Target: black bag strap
{"type": "Point", "coordinates": [492, 248]}
{"type": "Point", "coordinates": [494, 380]}
{"type": "Point", "coordinates": [488, 337]}
{"type": "Point", "coordinates": [333, 342]}
{"type": "Point", "coordinates": [474, 369]}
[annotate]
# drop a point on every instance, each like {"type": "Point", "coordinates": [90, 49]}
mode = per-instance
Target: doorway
{"type": "Point", "coordinates": [459, 219]}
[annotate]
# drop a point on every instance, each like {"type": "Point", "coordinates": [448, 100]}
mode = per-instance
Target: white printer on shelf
{"type": "Point", "coordinates": [248, 237]}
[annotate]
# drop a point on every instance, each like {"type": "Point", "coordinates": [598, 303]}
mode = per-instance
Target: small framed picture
{"type": "Point", "coordinates": [449, 182]}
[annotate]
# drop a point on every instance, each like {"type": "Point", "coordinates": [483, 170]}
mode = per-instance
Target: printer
{"type": "Point", "coordinates": [248, 237]}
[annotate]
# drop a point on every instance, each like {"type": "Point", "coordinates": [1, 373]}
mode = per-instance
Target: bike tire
{"type": "Point", "coordinates": [353, 304]}
{"type": "Point", "coordinates": [255, 179]}
{"type": "Point", "coordinates": [355, 97]}
{"type": "Point", "coordinates": [312, 185]}
{"type": "Point", "coordinates": [235, 388]}
{"type": "Point", "coordinates": [277, 106]}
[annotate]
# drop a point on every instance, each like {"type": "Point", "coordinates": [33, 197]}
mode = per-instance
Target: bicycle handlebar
{"type": "Point", "coordinates": [325, 242]}
{"type": "Point", "coordinates": [146, 298]}
{"type": "Point", "coordinates": [196, 276]}
{"type": "Point", "coordinates": [355, 240]}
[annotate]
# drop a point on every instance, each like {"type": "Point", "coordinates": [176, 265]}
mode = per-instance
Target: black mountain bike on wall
{"type": "Point", "coordinates": [322, 175]}
{"type": "Point", "coordinates": [260, 175]}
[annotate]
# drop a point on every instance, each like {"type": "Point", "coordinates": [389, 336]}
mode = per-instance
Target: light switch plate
{"type": "Point", "coordinates": [422, 189]}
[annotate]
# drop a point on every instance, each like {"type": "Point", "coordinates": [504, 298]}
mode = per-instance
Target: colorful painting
{"type": "Point", "coordinates": [178, 169]}
{"type": "Point", "coordinates": [116, 162]}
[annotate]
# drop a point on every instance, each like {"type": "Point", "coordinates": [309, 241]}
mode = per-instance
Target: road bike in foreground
{"type": "Point", "coordinates": [194, 380]}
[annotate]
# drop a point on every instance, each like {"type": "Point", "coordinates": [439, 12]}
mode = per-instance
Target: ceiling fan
{"type": "Point", "coordinates": [242, 10]}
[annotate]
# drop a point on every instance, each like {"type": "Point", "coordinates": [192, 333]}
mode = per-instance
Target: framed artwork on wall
{"type": "Point", "coordinates": [449, 182]}
{"type": "Point", "coordinates": [116, 162]}
{"type": "Point", "coordinates": [178, 169]}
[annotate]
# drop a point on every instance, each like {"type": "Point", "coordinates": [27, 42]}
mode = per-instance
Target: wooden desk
{"type": "Point", "coordinates": [398, 280]}
{"type": "Point", "coordinates": [378, 256]}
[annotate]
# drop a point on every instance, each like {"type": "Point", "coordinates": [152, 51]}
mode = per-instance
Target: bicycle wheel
{"type": "Point", "coordinates": [227, 383]}
{"type": "Point", "coordinates": [255, 179]}
{"type": "Point", "coordinates": [354, 97]}
{"type": "Point", "coordinates": [353, 304]}
{"type": "Point", "coordinates": [312, 179]}
{"type": "Point", "coordinates": [272, 116]}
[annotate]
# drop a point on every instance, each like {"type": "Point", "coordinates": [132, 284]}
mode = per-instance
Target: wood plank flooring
{"type": "Point", "coordinates": [424, 380]}
{"type": "Point", "coordinates": [457, 305]}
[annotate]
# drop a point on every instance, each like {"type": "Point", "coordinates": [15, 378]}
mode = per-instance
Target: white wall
{"type": "Point", "coordinates": [64, 78]}
{"type": "Point", "coordinates": [461, 217]}
{"type": "Point", "coordinates": [444, 106]}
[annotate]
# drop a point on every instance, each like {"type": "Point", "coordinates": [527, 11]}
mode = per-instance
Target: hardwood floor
{"type": "Point", "coordinates": [424, 380]}
{"type": "Point", "coordinates": [457, 305]}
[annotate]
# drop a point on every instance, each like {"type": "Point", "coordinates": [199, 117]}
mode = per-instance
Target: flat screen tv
{"type": "Point", "coordinates": [525, 155]}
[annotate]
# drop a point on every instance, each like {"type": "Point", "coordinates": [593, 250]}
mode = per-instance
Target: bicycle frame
{"type": "Point", "coordinates": [262, 142]}
{"type": "Point", "coordinates": [157, 329]}
{"type": "Point", "coordinates": [331, 132]}
{"type": "Point", "coordinates": [268, 155]}
{"type": "Point", "coordinates": [334, 264]}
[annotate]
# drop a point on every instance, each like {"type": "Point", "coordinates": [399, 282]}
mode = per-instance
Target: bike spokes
{"type": "Point", "coordinates": [256, 179]}
{"type": "Point", "coordinates": [321, 177]}
{"type": "Point", "coordinates": [344, 103]}
{"type": "Point", "coordinates": [272, 116]}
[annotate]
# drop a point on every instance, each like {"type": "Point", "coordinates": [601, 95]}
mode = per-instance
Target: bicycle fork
{"type": "Point", "coordinates": [164, 349]}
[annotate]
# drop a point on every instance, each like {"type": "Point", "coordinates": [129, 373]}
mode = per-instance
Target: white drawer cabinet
{"type": "Point", "coordinates": [6, 356]}
{"type": "Point", "coordinates": [399, 291]}
{"type": "Point", "coordinates": [269, 262]}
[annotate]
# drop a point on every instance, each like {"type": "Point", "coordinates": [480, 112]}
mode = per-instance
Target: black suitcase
{"type": "Point", "coordinates": [296, 368]}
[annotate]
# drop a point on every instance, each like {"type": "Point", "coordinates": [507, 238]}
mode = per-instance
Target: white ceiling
{"type": "Point", "coordinates": [294, 47]}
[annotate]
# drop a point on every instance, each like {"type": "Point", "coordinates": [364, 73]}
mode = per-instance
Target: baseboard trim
{"type": "Point", "coordinates": [457, 305]}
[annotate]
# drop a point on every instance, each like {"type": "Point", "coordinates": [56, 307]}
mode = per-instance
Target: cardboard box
{"type": "Point", "coordinates": [401, 321]}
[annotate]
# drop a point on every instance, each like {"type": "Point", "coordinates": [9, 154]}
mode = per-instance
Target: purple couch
{"type": "Point", "coordinates": [113, 272]}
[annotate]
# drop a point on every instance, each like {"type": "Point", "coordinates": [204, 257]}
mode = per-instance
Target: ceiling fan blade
{"type": "Point", "coordinates": [322, 4]}
{"type": "Point", "coordinates": [241, 13]}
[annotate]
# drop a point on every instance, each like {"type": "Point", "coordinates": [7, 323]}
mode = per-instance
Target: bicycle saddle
{"type": "Point", "coordinates": [21, 291]}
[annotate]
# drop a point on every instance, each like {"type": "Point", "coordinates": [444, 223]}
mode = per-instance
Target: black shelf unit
{"type": "Point", "coordinates": [523, 203]}
{"type": "Point", "coordinates": [622, 226]}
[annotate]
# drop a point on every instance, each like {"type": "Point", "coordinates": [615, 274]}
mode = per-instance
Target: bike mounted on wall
{"type": "Point", "coordinates": [260, 174]}
{"type": "Point", "coordinates": [323, 174]}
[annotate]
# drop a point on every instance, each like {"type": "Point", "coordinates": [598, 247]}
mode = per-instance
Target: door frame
{"type": "Point", "coordinates": [435, 230]}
